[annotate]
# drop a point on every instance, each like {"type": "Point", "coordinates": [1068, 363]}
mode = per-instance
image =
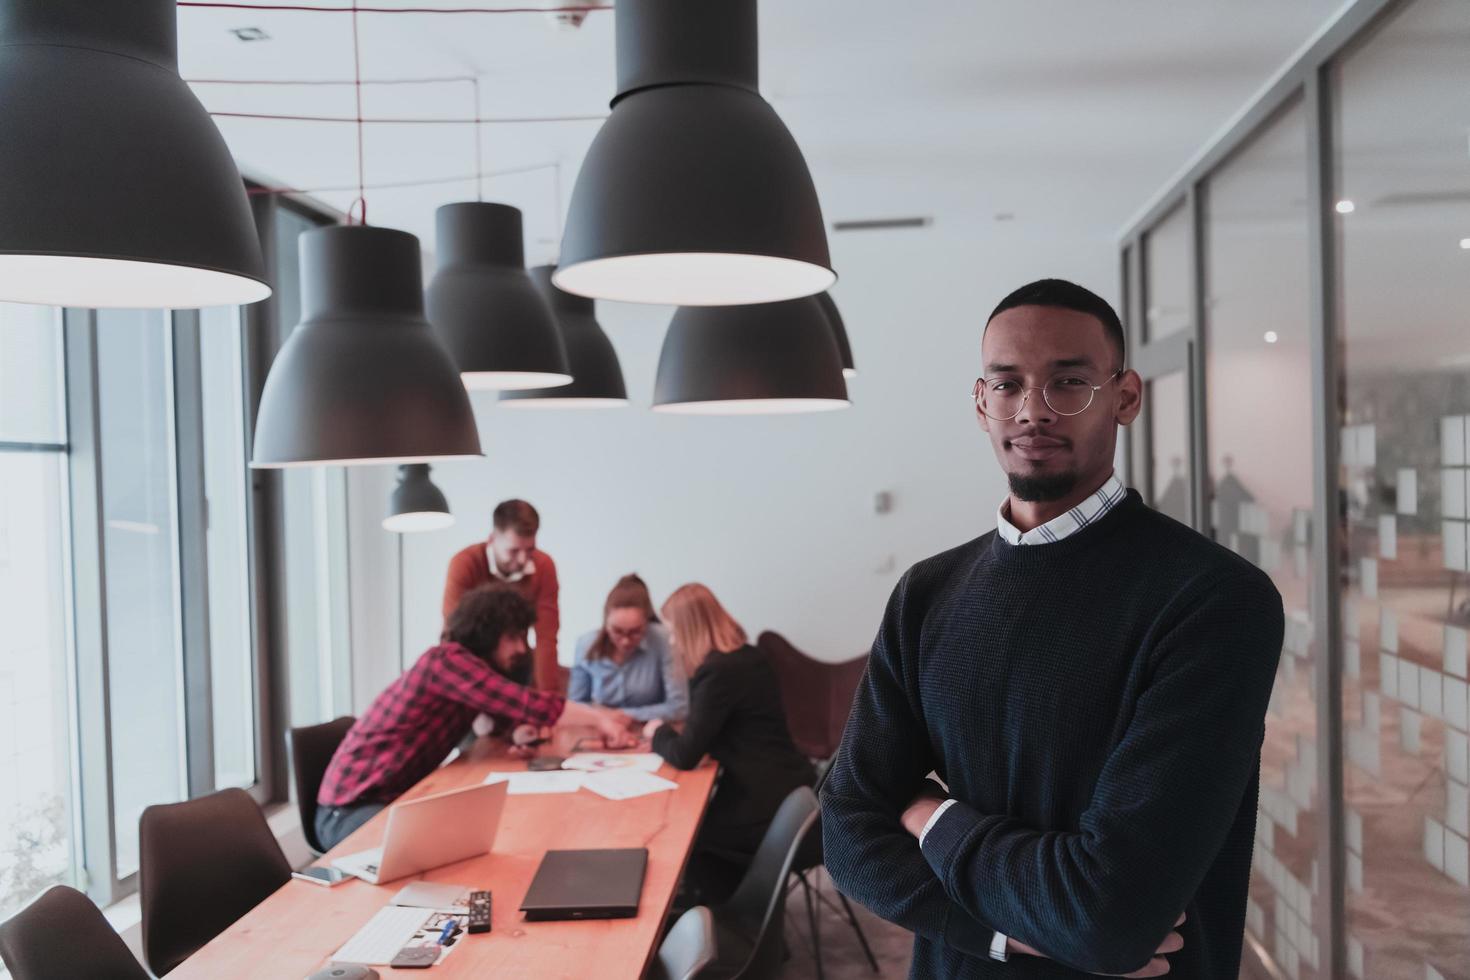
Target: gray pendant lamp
{"type": "Point", "coordinates": [116, 189]}
{"type": "Point", "coordinates": [693, 193]}
{"type": "Point", "coordinates": [839, 332]}
{"type": "Point", "coordinates": [416, 504]}
{"type": "Point", "coordinates": [362, 379]}
{"type": "Point", "coordinates": [484, 307]}
{"type": "Point", "coordinates": [597, 377]}
{"type": "Point", "coordinates": [764, 358]}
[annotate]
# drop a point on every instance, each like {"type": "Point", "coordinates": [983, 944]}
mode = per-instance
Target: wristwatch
{"type": "Point", "coordinates": [998, 949]}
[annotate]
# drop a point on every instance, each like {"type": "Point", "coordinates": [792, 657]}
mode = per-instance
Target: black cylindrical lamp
{"type": "Point", "coordinates": [693, 193]}
{"type": "Point", "coordinates": [495, 323]}
{"type": "Point", "coordinates": [764, 358]}
{"type": "Point", "coordinates": [597, 377]}
{"type": "Point", "coordinates": [839, 333]}
{"type": "Point", "coordinates": [416, 504]}
{"type": "Point", "coordinates": [362, 379]}
{"type": "Point", "coordinates": [116, 189]}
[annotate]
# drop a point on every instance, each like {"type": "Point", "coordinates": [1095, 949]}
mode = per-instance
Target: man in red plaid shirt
{"type": "Point", "coordinates": [480, 665]}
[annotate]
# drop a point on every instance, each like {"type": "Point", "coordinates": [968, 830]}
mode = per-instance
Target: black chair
{"type": "Point", "coordinates": [203, 864]}
{"type": "Point", "coordinates": [750, 927]}
{"type": "Point", "coordinates": [62, 935]}
{"type": "Point", "coordinates": [687, 949]}
{"type": "Point", "coordinates": [809, 858]}
{"type": "Point", "coordinates": [311, 752]}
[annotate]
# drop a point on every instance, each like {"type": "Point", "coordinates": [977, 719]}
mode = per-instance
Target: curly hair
{"type": "Point", "coordinates": [484, 615]}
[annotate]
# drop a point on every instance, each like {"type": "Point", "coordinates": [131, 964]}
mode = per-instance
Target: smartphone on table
{"type": "Point", "coordinates": [322, 876]}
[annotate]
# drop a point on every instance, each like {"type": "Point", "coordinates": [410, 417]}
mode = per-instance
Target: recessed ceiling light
{"type": "Point", "coordinates": [1465, 244]}
{"type": "Point", "coordinates": [249, 34]}
{"type": "Point", "coordinates": [1271, 337]}
{"type": "Point", "coordinates": [1346, 207]}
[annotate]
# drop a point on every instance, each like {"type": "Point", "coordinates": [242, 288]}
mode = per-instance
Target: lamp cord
{"type": "Point", "coordinates": [357, 92]}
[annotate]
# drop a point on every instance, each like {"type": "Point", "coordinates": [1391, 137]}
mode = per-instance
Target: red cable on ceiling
{"type": "Point", "coordinates": [312, 8]}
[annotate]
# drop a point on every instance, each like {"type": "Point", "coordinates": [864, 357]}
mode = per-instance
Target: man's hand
{"type": "Point", "coordinates": [524, 740]}
{"type": "Point", "coordinates": [918, 812]}
{"type": "Point", "coordinates": [1156, 967]}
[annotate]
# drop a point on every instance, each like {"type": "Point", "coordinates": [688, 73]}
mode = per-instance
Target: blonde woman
{"type": "Point", "coordinates": [735, 716]}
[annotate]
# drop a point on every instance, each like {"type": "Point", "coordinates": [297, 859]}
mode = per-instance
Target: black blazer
{"type": "Point", "coordinates": [736, 716]}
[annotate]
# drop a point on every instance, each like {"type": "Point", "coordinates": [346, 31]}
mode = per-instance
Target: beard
{"type": "Point", "coordinates": [1043, 487]}
{"type": "Point", "coordinates": [520, 671]}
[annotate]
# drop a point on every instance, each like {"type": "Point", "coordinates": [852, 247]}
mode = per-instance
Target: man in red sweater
{"type": "Point", "coordinates": [510, 556]}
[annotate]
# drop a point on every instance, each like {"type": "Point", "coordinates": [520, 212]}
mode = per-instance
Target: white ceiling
{"type": "Point", "coordinates": [1068, 115]}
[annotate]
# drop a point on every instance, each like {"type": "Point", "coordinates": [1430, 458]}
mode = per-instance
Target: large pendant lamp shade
{"type": "Point", "coordinates": [693, 193]}
{"type": "Point", "coordinates": [764, 358]}
{"type": "Point", "coordinates": [116, 189]}
{"type": "Point", "coordinates": [839, 332]}
{"type": "Point", "coordinates": [362, 379]}
{"type": "Point", "coordinates": [495, 323]}
{"type": "Point", "coordinates": [416, 504]}
{"type": "Point", "coordinates": [597, 377]}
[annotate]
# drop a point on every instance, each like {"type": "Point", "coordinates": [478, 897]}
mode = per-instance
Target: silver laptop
{"type": "Point", "coordinates": [431, 831]}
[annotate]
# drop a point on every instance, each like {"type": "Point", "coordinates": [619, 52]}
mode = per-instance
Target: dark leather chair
{"type": "Point", "coordinates": [311, 752]}
{"type": "Point", "coordinates": [203, 864]}
{"type": "Point", "coordinates": [61, 936]}
{"type": "Point", "coordinates": [817, 695]}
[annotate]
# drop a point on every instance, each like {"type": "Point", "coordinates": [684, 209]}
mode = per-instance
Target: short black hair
{"type": "Point", "coordinates": [484, 615]}
{"type": "Point", "coordinates": [1068, 296]}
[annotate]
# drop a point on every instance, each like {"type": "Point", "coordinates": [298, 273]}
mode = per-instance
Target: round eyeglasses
{"type": "Point", "coordinates": [1002, 399]}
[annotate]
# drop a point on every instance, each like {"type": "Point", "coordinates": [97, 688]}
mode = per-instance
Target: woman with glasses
{"type": "Point", "coordinates": [628, 663]}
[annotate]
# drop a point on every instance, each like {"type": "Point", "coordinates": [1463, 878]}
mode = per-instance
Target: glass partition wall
{"type": "Point", "coordinates": [1320, 358]}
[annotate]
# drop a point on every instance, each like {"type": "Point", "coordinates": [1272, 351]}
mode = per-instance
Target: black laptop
{"type": "Point", "coordinates": [601, 884]}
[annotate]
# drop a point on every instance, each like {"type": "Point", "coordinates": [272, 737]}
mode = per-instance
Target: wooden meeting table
{"type": "Point", "coordinates": [295, 931]}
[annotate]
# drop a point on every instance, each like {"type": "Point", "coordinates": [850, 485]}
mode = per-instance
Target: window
{"type": "Point", "coordinates": [1168, 307]}
{"type": "Point", "coordinates": [37, 837]}
{"type": "Point", "coordinates": [140, 569]}
{"type": "Point", "coordinates": [1404, 289]}
{"type": "Point", "coordinates": [1258, 369]}
{"type": "Point", "coordinates": [232, 667]}
{"type": "Point", "coordinates": [1166, 405]}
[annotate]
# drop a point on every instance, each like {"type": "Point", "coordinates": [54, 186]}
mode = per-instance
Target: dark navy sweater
{"type": "Point", "coordinates": [1097, 706]}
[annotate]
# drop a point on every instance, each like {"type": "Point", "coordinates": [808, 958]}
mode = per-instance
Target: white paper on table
{"type": "Point", "coordinates": [625, 784]}
{"type": "Point", "coordinates": [614, 761]}
{"type": "Point", "coordinates": [548, 781]}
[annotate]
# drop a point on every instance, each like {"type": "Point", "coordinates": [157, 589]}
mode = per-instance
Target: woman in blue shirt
{"type": "Point", "coordinates": [628, 664]}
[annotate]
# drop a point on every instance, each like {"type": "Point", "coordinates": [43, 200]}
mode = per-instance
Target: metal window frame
{"type": "Point", "coordinates": [1305, 77]}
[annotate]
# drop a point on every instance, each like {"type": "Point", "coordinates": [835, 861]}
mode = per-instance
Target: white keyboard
{"type": "Point", "coordinates": [377, 942]}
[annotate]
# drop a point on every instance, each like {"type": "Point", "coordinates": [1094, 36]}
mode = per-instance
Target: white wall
{"type": "Point", "coordinates": [775, 514]}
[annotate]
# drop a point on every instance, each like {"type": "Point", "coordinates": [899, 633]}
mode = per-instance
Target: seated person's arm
{"type": "Point", "coordinates": [579, 687]}
{"type": "Point", "coordinates": [463, 677]}
{"type": "Point", "coordinates": [708, 713]}
{"type": "Point", "coordinates": [883, 761]}
{"type": "Point", "coordinates": [1100, 899]}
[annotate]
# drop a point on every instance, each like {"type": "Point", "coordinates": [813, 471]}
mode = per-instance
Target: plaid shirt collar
{"type": "Point", "coordinates": [1105, 499]}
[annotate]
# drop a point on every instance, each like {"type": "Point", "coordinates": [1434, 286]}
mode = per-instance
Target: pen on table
{"type": "Point", "coordinates": [449, 930]}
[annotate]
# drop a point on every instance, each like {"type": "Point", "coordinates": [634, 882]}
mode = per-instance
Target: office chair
{"type": "Point", "coordinates": [204, 863]}
{"type": "Point", "coordinates": [687, 949]}
{"type": "Point", "coordinates": [62, 935]}
{"type": "Point", "coordinates": [749, 928]}
{"type": "Point", "coordinates": [817, 697]}
{"type": "Point", "coordinates": [311, 752]}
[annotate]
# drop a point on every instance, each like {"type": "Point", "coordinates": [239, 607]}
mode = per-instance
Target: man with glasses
{"type": "Point", "coordinates": [1089, 681]}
